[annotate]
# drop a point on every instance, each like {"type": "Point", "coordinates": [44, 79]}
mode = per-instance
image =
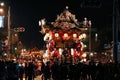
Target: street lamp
{"type": "Point", "coordinates": [1, 4]}
{"type": "Point", "coordinates": [9, 30]}
{"type": "Point", "coordinates": [89, 23]}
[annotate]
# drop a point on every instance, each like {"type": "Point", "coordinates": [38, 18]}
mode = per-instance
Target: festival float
{"type": "Point", "coordinates": [66, 36]}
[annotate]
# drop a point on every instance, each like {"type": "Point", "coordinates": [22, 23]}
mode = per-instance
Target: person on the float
{"type": "Point", "coordinates": [46, 54]}
{"type": "Point", "coordinates": [85, 22]}
{"type": "Point", "coordinates": [65, 52]}
{"type": "Point", "coordinates": [47, 39]}
{"type": "Point", "coordinates": [76, 56]}
{"type": "Point", "coordinates": [75, 53]}
{"type": "Point", "coordinates": [82, 48]}
{"type": "Point", "coordinates": [51, 45]}
{"type": "Point", "coordinates": [56, 52]}
{"type": "Point", "coordinates": [79, 47]}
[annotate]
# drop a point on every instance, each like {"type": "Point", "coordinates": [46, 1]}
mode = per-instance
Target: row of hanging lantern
{"type": "Point", "coordinates": [65, 36]}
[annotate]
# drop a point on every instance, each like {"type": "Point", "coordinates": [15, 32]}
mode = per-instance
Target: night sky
{"type": "Point", "coordinates": [27, 13]}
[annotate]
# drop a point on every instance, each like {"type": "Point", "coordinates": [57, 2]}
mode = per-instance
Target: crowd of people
{"type": "Point", "coordinates": [20, 69]}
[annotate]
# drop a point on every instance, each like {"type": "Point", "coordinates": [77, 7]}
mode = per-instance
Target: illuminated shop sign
{"type": "Point", "coordinates": [1, 21]}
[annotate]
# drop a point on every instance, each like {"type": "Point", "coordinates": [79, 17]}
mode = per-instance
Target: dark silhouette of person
{"type": "Point", "coordinates": [47, 71]}
{"type": "Point", "coordinates": [31, 72]}
{"type": "Point", "coordinates": [65, 52]}
{"type": "Point", "coordinates": [55, 71]}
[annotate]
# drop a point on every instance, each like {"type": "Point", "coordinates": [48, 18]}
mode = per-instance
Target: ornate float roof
{"type": "Point", "coordinates": [65, 21]}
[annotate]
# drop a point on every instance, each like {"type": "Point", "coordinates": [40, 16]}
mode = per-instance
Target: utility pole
{"type": "Point", "coordinates": [9, 32]}
{"type": "Point", "coordinates": [89, 23]}
{"type": "Point", "coordinates": [115, 30]}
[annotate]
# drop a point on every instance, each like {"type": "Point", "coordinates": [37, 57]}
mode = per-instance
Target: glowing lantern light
{"type": "Point", "coordinates": [56, 35]}
{"type": "Point", "coordinates": [84, 55]}
{"type": "Point", "coordinates": [84, 35]}
{"type": "Point", "coordinates": [65, 35]}
{"type": "Point", "coordinates": [47, 34]}
{"type": "Point", "coordinates": [80, 37]}
{"type": "Point", "coordinates": [84, 60]}
{"type": "Point", "coordinates": [74, 35]}
{"type": "Point", "coordinates": [72, 51]}
{"type": "Point", "coordinates": [91, 54]}
{"type": "Point", "coordinates": [60, 51]}
{"type": "Point", "coordinates": [1, 10]}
